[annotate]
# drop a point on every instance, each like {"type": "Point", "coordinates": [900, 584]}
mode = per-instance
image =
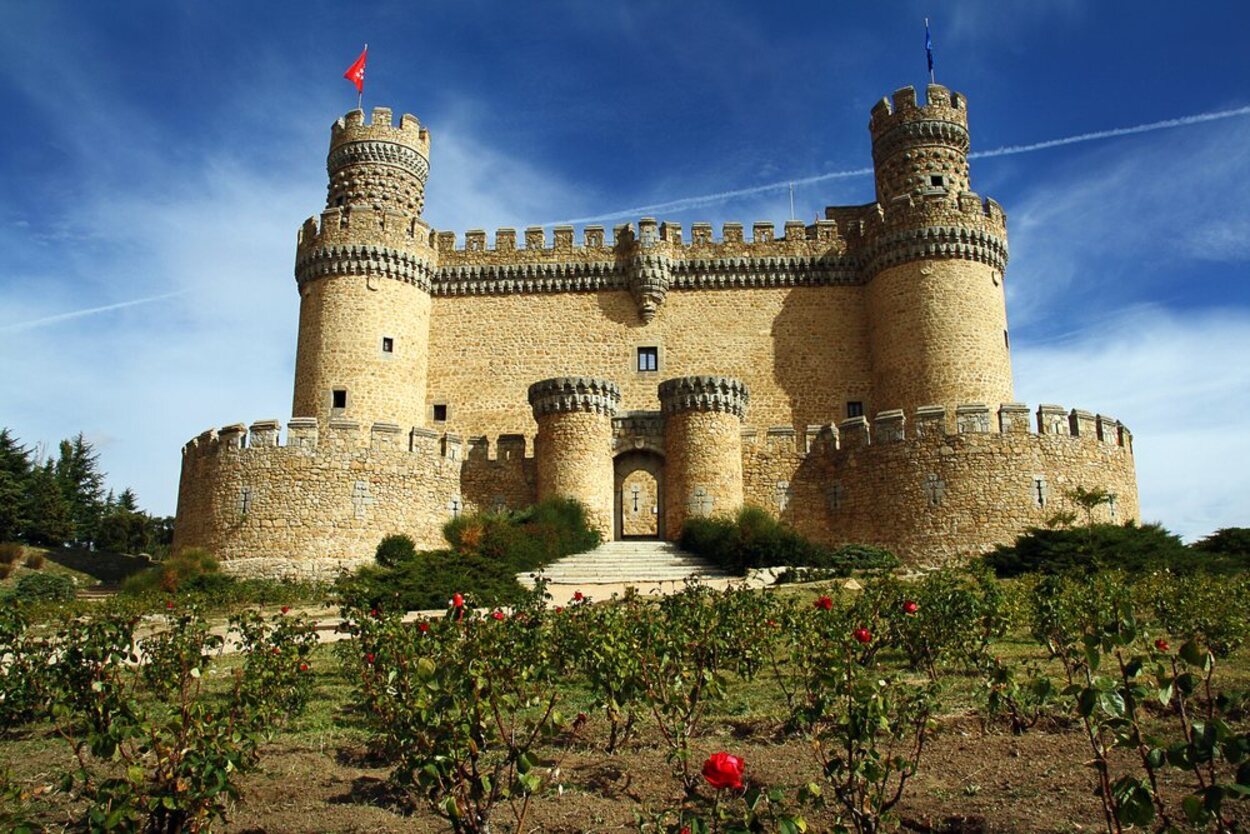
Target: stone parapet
{"type": "Point", "coordinates": [572, 394]}
{"type": "Point", "coordinates": [704, 393]}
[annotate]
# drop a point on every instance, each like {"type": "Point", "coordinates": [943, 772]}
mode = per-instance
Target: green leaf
{"type": "Point", "coordinates": [1134, 802]}
{"type": "Point", "coordinates": [1194, 655]}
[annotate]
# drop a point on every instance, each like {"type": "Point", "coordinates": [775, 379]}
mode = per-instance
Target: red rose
{"type": "Point", "coordinates": [277, 650]}
{"type": "Point", "coordinates": [721, 770]}
{"type": "Point", "coordinates": [374, 613]}
{"type": "Point", "coordinates": [824, 603]}
{"type": "Point", "coordinates": [423, 627]}
{"type": "Point", "coordinates": [1162, 645]}
{"type": "Point", "coordinates": [369, 658]}
{"type": "Point", "coordinates": [910, 607]}
{"type": "Point", "coordinates": [457, 601]}
{"type": "Point", "coordinates": [498, 615]}
{"type": "Point", "coordinates": [303, 667]}
{"type": "Point", "coordinates": [559, 609]}
{"type": "Point", "coordinates": [685, 829]}
{"type": "Point", "coordinates": [169, 606]}
{"type": "Point", "coordinates": [862, 635]}
{"type": "Point", "coordinates": [286, 609]}
{"type": "Point", "coordinates": [578, 596]}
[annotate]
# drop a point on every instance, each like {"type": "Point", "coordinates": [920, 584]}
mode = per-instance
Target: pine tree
{"type": "Point", "coordinates": [128, 501]}
{"type": "Point", "coordinates": [14, 481]}
{"type": "Point", "coordinates": [49, 520]}
{"type": "Point", "coordinates": [82, 485]}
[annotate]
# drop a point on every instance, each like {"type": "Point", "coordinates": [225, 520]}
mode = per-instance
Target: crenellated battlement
{"type": "Point", "coordinates": [308, 436]}
{"type": "Point", "coordinates": [943, 116]}
{"type": "Point", "coordinates": [936, 423]}
{"type": "Point", "coordinates": [381, 127]}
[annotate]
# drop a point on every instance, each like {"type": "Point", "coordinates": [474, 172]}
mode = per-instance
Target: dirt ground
{"type": "Point", "coordinates": [969, 782]}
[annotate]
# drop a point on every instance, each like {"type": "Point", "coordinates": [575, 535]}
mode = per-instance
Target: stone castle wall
{"type": "Point", "coordinates": [803, 351]}
{"type": "Point", "coordinates": [321, 502]}
{"type": "Point", "coordinates": [932, 489]}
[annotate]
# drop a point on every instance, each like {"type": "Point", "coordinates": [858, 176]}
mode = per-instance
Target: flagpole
{"type": "Point", "coordinates": [792, 201]}
{"type": "Point", "coordinates": [361, 92]}
{"type": "Point", "coordinates": [928, 48]}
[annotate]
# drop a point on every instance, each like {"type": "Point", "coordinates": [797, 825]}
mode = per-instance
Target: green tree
{"type": "Point", "coordinates": [128, 501]}
{"type": "Point", "coordinates": [14, 481]}
{"type": "Point", "coordinates": [49, 520]}
{"type": "Point", "coordinates": [82, 485]}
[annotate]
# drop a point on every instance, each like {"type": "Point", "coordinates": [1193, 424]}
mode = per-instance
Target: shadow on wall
{"type": "Point", "coordinates": [820, 354]}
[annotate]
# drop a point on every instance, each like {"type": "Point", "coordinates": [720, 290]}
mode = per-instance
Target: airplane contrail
{"type": "Point", "coordinates": [91, 311]}
{"type": "Point", "coordinates": [1007, 150]}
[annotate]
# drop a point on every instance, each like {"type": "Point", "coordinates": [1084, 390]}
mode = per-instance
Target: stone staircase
{"type": "Point", "coordinates": [644, 564]}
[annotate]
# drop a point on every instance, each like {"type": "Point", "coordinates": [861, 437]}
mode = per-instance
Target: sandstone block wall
{"type": "Point", "coordinates": [342, 323]}
{"type": "Point", "coordinates": [803, 351]}
{"type": "Point", "coordinates": [639, 504]}
{"type": "Point", "coordinates": [938, 334]}
{"type": "Point", "coordinates": [321, 502]}
{"type": "Point", "coordinates": [573, 449]}
{"type": "Point", "coordinates": [940, 484]}
{"type": "Point", "coordinates": [702, 448]}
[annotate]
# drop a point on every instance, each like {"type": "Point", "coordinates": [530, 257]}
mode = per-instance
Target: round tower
{"type": "Point", "coordinates": [702, 447]}
{"type": "Point", "coordinates": [934, 261]}
{"type": "Point", "coordinates": [363, 272]}
{"type": "Point", "coordinates": [573, 448]}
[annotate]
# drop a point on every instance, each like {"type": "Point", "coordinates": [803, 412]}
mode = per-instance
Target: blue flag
{"type": "Point", "coordinates": [928, 45]}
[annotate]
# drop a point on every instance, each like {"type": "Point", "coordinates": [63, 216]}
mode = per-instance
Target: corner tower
{"type": "Point", "coordinates": [934, 259]}
{"type": "Point", "coordinates": [363, 272]}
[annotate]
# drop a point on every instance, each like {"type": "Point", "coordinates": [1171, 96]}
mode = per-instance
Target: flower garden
{"type": "Point", "coordinates": [928, 705]}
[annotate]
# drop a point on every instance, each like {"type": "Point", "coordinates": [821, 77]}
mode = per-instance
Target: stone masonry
{"type": "Point", "coordinates": [438, 374]}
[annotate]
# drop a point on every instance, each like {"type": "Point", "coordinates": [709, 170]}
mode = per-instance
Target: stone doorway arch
{"type": "Point", "coordinates": [639, 495]}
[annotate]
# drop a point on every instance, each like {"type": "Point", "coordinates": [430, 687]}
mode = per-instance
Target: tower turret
{"type": "Point", "coordinates": [378, 164]}
{"type": "Point", "coordinates": [363, 271]}
{"type": "Point", "coordinates": [919, 151]}
{"type": "Point", "coordinates": [934, 257]}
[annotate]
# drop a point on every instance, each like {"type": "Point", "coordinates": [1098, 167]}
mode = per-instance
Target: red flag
{"type": "Point", "coordinates": [356, 72]}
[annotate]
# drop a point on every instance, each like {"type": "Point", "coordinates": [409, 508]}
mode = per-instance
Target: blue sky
{"type": "Point", "coordinates": [170, 150]}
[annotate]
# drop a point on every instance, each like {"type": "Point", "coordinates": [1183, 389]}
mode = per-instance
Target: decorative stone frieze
{"type": "Point", "coordinates": [704, 393]}
{"type": "Point", "coordinates": [379, 153]}
{"type": "Point", "coordinates": [565, 394]}
{"type": "Point", "coordinates": [362, 259]}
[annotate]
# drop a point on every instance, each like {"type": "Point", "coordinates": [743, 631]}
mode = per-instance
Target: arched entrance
{"type": "Point", "coordinates": [639, 491]}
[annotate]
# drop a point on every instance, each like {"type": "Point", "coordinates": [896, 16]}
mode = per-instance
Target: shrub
{"type": "Point", "coordinates": [189, 568]}
{"type": "Point", "coordinates": [10, 552]}
{"type": "Point", "coordinates": [395, 549]}
{"type": "Point", "coordinates": [43, 587]}
{"type": "Point", "coordinates": [34, 561]}
{"type": "Point", "coordinates": [488, 551]}
{"type": "Point", "coordinates": [1232, 541]}
{"type": "Point", "coordinates": [754, 539]}
{"type": "Point", "coordinates": [1129, 548]}
{"type": "Point", "coordinates": [428, 581]}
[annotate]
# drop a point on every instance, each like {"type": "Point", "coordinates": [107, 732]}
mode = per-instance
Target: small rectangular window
{"type": "Point", "coordinates": [937, 181]}
{"type": "Point", "coordinates": [1006, 340]}
{"type": "Point", "coordinates": [340, 398]}
{"type": "Point", "coordinates": [440, 413]}
{"type": "Point", "coordinates": [854, 409]}
{"type": "Point", "coordinates": [388, 344]}
{"type": "Point", "coordinates": [648, 358]}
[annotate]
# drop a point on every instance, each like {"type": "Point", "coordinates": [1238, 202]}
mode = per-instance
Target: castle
{"type": "Point", "coordinates": [851, 376]}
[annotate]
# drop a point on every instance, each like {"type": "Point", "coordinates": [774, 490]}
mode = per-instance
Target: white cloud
{"type": "Point", "coordinates": [1123, 220]}
{"type": "Point", "coordinates": [1176, 381]}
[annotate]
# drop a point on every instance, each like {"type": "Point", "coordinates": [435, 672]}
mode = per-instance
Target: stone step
{"type": "Point", "coordinates": [622, 562]}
